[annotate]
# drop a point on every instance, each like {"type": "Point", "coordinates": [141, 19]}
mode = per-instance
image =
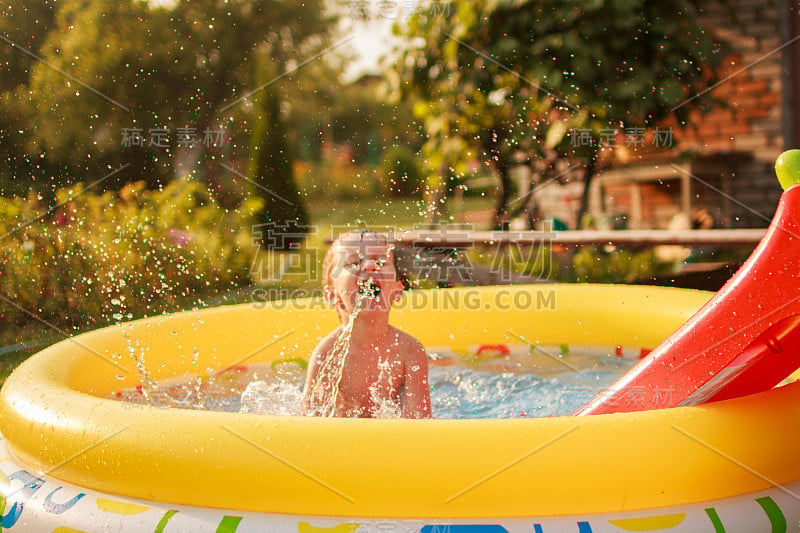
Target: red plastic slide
{"type": "Point", "coordinates": [746, 339]}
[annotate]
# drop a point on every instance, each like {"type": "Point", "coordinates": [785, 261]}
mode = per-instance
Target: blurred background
{"type": "Point", "coordinates": [174, 154]}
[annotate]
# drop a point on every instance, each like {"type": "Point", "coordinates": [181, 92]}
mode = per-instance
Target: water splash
{"type": "Point", "coordinates": [275, 392]}
{"type": "Point", "coordinates": [279, 397]}
{"type": "Point", "coordinates": [384, 407]}
{"type": "Point", "coordinates": [186, 396]}
{"type": "Point", "coordinates": [324, 395]}
{"type": "Point", "coordinates": [463, 390]}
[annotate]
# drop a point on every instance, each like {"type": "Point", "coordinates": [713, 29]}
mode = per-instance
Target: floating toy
{"type": "Point", "coordinates": [492, 350]}
{"type": "Point", "coordinates": [73, 460]}
{"type": "Point", "coordinates": [744, 340]}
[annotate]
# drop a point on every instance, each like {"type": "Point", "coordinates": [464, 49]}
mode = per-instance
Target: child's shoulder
{"type": "Point", "coordinates": [328, 341]}
{"type": "Point", "coordinates": [408, 345]}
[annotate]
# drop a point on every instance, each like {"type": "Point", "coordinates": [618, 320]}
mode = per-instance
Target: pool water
{"type": "Point", "coordinates": [498, 382]}
{"type": "Point", "coordinates": [472, 393]}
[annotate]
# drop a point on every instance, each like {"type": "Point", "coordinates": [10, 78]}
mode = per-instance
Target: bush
{"type": "Point", "coordinates": [588, 264]}
{"type": "Point", "coordinates": [401, 173]}
{"type": "Point", "coordinates": [593, 264]}
{"type": "Point", "coordinates": [98, 258]}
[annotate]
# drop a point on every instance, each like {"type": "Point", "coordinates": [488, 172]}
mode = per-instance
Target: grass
{"type": "Point", "coordinates": [398, 214]}
{"type": "Point", "coordinates": [19, 344]}
{"type": "Point", "coordinates": [401, 213]}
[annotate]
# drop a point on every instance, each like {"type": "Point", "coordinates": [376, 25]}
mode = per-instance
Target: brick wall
{"type": "Point", "coordinates": [750, 127]}
{"type": "Point", "coordinates": [732, 147]}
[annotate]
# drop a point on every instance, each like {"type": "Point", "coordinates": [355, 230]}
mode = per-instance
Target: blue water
{"type": "Point", "coordinates": [468, 392]}
{"type": "Point", "coordinates": [517, 385]}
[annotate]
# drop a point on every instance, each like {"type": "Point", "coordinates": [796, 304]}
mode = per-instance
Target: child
{"type": "Point", "coordinates": [365, 368]}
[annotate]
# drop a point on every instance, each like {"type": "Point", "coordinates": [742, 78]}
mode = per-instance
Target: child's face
{"type": "Point", "coordinates": [363, 268]}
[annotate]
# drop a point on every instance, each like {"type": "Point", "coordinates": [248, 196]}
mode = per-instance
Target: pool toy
{"type": "Point", "coordinates": [492, 350]}
{"type": "Point", "coordinates": [73, 460]}
{"type": "Point", "coordinates": [744, 340]}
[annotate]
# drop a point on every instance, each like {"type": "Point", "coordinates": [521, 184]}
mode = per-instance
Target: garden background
{"type": "Point", "coordinates": [181, 154]}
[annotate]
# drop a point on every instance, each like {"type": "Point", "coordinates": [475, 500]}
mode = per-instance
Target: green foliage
{"type": "Point", "coordinates": [598, 265]}
{"type": "Point", "coordinates": [400, 172]}
{"type": "Point", "coordinates": [272, 170]}
{"type": "Point", "coordinates": [357, 115]}
{"type": "Point", "coordinates": [113, 66]}
{"type": "Point", "coordinates": [24, 23]}
{"type": "Point", "coordinates": [508, 82]}
{"type": "Point", "coordinates": [544, 264]}
{"type": "Point", "coordinates": [588, 264]}
{"type": "Point", "coordinates": [108, 257]}
{"type": "Point", "coordinates": [535, 263]}
{"type": "Point", "coordinates": [343, 132]}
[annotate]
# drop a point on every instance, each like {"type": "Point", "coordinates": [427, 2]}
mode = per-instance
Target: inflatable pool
{"type": "Point", "coordinates": [75, 461]}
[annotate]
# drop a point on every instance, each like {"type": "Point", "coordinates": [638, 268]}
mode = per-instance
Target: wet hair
{"type": "Point", "coordinates": [332, 258]}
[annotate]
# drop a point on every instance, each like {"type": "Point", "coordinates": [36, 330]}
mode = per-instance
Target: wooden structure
{"type": "Point", "coordinates": [455, 239]}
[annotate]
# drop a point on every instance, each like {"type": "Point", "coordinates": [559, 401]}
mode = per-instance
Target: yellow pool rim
{"type": "Point", "coordinates": [55, 421]}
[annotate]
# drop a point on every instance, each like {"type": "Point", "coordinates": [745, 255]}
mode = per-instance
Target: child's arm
{"type": "Point", "coordinates": [417, 398]}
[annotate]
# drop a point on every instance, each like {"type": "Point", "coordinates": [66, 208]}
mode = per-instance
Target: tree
{"type": "Point", "coordinates": [23, 27]}
{"type": "Point", "coordinates": [512, 82]}
{"type": "Point", "coordinates": [358, 113]}
{"type": "Point", "coordinates": [284, 217]}
{"type": "Point", "coordinates": [108, 68]}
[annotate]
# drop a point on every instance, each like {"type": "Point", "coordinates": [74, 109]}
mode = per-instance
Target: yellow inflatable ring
{"type": "Point", "coordinates": [656, 465]}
